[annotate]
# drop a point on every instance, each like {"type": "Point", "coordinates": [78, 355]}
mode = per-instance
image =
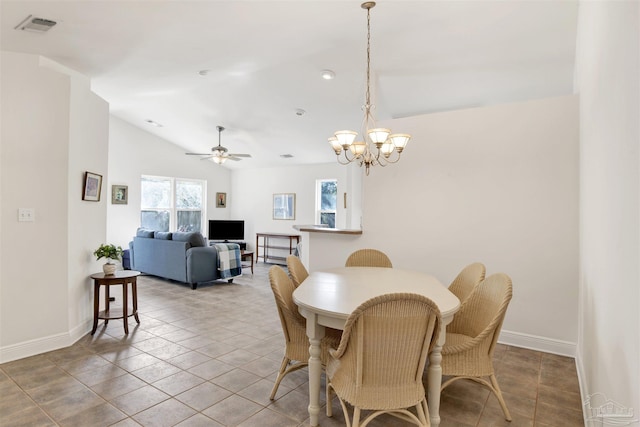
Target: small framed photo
{"type": "Point", "coordinates": [92, 187]}
{"type": "Point", "coordinates": [221, 200]}
{"type": "Point", "coordinates": [119, 194]}
{"type": "Point", "coordinates": [284, 206]}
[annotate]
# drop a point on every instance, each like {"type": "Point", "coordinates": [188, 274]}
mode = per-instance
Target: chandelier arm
{"type": "Point", "coordinates": [388, 160]}
{"type": "Point", "coordinates": [343, 163]}
{"type": "Point", "coordinates": [354, 158]}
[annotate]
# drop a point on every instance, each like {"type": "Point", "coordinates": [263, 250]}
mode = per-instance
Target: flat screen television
{"type": "Point", "coordinates": [226, 229]}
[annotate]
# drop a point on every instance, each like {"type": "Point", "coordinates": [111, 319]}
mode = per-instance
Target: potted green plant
{"type": "Point", "coordinates": [111, 253]}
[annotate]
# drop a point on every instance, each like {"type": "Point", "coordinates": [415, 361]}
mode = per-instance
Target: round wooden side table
{"type": "Point", "coordinates": [120, 277]}
{"type": "Point", "coordinates": [247, 255]}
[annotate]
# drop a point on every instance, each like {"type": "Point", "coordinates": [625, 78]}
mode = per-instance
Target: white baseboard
{"type": "Point", "coordinates": [54, 342]}
{"type": "Point", "coordinates": [534, 342]}
{"type": "Point", "coordinates": [81, 330]}
{"type": "Point", "coordinates": [33, 347]}
{"type": "Point", "coordinates": [43, 345]}
{"type": "Point", "coordinates": [582, 382]}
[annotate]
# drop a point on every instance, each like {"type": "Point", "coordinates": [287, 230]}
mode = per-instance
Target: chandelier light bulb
{"type": "Point", "coordinates": [400, 140]}
{"type": "Point", "coordinates": [358, 148]}
{"type": "Point", "coordinates": [378, 135]}
{"type": "Point", "coordinates": [386, 149]}
{"type": "Point", "coordinates": [333, 141]}
{"type": "Point", "coordinates": [346, 137]}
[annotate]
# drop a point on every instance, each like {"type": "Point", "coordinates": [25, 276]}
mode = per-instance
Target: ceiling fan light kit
{"type": "Point", "coordinates": [219, 154]}
{"type": "Point", "coordinates": [385, 143]}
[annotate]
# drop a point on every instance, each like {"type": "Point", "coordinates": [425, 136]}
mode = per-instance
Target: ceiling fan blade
{"type": "Point", "coordinates": [240, 155]}
{"type": "Point", "coordinates": [235, 159]}
{"type": "Point", "coordinates": [204, 156]}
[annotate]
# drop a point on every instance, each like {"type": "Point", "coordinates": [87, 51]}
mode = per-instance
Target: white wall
{"type": "Point", "coordinates": [44, 289]}
{"type": "Point", "coordinates": [253, 191]}
{"type": "Point", "coordinates": [133, 153]}
{"type": "Point", "coordinates": [87, 151]}
{"type": "Point", "coordinates": [608, 73]}
{"type": "Point", "coordinates": [497, 185]}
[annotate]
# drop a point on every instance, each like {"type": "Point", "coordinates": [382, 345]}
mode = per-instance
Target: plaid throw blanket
{"type": "Point", "coordinates": [229, 263]}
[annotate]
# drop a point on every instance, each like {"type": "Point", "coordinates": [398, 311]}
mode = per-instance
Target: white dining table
{"type": "Point", "coordinates": [327, 298]}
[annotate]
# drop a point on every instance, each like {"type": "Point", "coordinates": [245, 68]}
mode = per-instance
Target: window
{"type": "Point", "coordinates": [326, 201]}
{"type": "Point", "coordinates": [172, 204]}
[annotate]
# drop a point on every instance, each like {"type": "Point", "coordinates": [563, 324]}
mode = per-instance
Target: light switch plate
{"type": "Point", "coordinates": [26, 215]}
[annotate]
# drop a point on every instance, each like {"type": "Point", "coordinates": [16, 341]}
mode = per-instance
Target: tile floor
{"type": "Point", "coordinates": [208, 358]}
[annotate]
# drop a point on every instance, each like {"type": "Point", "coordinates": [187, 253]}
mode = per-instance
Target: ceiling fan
{"type": "Point", "coordinates": [219, 154]}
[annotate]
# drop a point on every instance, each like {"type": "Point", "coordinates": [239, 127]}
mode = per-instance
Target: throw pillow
{"type": "Point", "coordinates": [143, 232]}
{"type": "Point", "coordinates": [193, 238]}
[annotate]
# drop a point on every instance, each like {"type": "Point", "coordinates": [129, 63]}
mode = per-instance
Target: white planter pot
{"type": "Point", "coordinates": [109, 269]}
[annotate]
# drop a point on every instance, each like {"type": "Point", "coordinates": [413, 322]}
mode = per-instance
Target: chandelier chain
{"type": "Point", "coordinates": [368, 93]}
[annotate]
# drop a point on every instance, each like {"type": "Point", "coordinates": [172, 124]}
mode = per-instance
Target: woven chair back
{"type": "Point", "coordinates": [467, 280]}
{"type": "Point", "coordinates": [485, 308]}
{"type": "Point", "coordinates": [293, 323]}
{"type": "Point", "coordinates": [368, 258]}
{"type": "Point", "coordinates": [297, 270]}
{"type": "Point", "coordinates": [380, 361]}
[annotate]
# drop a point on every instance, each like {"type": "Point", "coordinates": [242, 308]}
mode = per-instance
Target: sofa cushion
{"type": "Point", "coordinates": [195, 239]}
{"type": "Point", "coordinates": [163, 235]}
{"type": "Point", "coordinates": [143, 232]}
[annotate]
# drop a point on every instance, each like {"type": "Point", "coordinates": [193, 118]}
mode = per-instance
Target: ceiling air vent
{"type": "Point", "coordinates": [37, 25]}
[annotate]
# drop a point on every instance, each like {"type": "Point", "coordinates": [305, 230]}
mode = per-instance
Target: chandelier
{"type": "Point", "coordinates": [378, 145]}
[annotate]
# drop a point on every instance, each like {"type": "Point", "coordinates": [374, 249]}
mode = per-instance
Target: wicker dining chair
{"type": "Point", "coordinates": [380, 361]}
{"type": "Point", "coordinates": [368, 258]}
{"type": "Point", "coordinates": [472, 335]}
{"type": "Point", "coordinates": [297, 270]}
{"type": "Point", "coordinates": [296, 351]}
{"type": "Point", "coordinates": [467, 280]}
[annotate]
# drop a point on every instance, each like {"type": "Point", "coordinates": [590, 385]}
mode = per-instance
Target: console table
{"type": "Point", "coordinates": [275, 241]}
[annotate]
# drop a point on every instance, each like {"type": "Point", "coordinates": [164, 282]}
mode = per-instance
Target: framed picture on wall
{"type": "Point", "coordinates": [92, 187]}
{"type": "Point", "coordinates": [284, 206]}
{"type": "Point", "coordinates": [119, 194]}
{"type": "Point", "coordinates": [221, 200]}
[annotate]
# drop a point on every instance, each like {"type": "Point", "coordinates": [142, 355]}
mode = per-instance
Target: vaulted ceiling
{"type": "Point", "coordinates": [262, 63]}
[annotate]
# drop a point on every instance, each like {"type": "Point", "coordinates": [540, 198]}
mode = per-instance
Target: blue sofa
{"type": "Point", "coordinates": [184, 257]}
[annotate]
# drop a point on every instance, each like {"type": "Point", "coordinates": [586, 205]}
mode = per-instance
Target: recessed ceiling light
{"type": "Point", "coordinates": [300, 112]}
{"type": "Point", "coordinates": [152, 123]}
{"type": "Point", "coordinates": [328, 74]}
{"type": "Point", "coordinates": [286, 156]}
{"type": "Point", "coordinates": [204, 72]}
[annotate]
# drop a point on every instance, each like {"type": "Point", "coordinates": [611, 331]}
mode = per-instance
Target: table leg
{"type": "Point", "coordinates": [134, 291]}
{"type": "Point", "coordinates": [315, 333]}
{"type": "Point", "coordinates": [96, 305]}
{"type": "Point", "coordinates": [434, 379]}
{"type": "Point", "coordinates": [125, 306]}
{"type": "Point", "coordinates": [106, 302]}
